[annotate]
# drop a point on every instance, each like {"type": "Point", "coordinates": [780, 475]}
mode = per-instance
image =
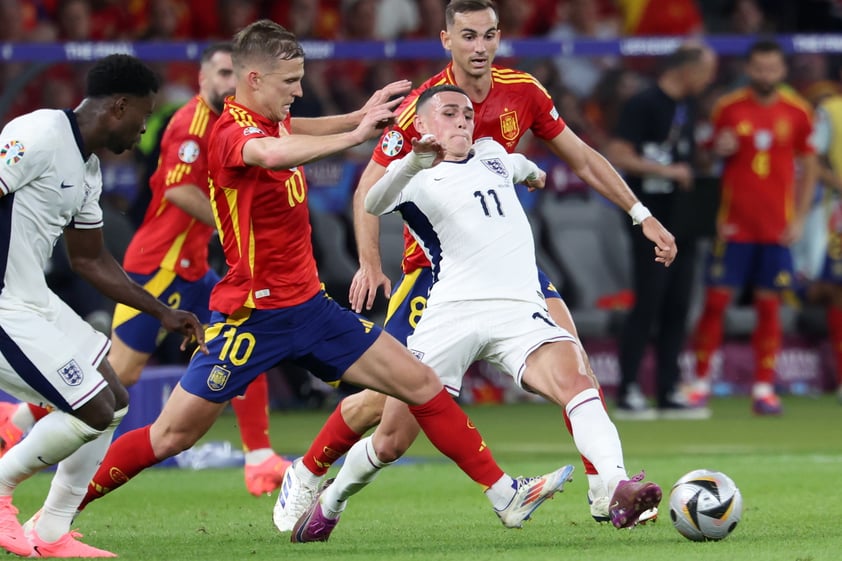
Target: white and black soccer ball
{"type": "Point", "coordinates": [705, 505]}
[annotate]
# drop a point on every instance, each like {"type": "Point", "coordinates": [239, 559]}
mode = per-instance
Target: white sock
{"type": "Point", "coordinates": [309, 478]}
{"type": "Point", "coordinates": [360, 468]}
{"type": "Point", "coordinates": [502, 492]}
{"type": "Point", "coordinates": [22, 417]}
{"type": "Point", "coordinates": [596, 488]}
{"type": "Point", "coordinates": [51, 440]}
{"type": "Point", "coordinates": [596, 437]}
{"type": "Point", "coordinates": [254, 457]}
{"type": "Point", "coordinates": [71, 483]}
{"type": "Point", "coordinates": [761, 390]}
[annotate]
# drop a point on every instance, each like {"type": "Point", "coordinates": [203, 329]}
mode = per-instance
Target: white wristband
{"type": "Point", "coordinates": [639, 213]}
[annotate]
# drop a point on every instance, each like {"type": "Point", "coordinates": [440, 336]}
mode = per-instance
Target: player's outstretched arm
{"type": "Point", "coordinates": [91, 260]}
{"type": "Point", "coordinates": [334, 124]}
{"type": "Point", "coordinates": [369, 277]}
{"type": "Point", "coordinates": [384, 195]}
{"type": "Point", "coordinates": [193, 201]}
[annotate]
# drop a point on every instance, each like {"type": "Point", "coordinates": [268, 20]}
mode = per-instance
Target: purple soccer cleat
{"type": "Point", "coordinates": [632, 498]}
{"type": "Point", "coordinates": [314, 526]}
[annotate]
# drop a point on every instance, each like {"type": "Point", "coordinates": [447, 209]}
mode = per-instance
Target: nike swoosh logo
{"type": "Point", "coordinates": [46, 463]}
{"type": "Point", "coordinates": [65, 185]}
{"type": "Point", "coordinates": [438, 178]}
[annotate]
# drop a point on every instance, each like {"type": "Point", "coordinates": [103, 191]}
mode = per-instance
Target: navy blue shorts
{"type": "Point", "coordinates": [319, 335]}
{"type": "Point", "coordinates": [143, 332]}
{"type": "Point", "coordinates": [409, 298]}
{"type": "Point", "coordinates": [738, 264]}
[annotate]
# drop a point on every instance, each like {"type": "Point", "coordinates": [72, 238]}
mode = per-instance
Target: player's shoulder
{"type": "Point", "coordinates": [794, 100]}
{"type": "Point", "coordinates": [192, 119]}
{"type": "Point", "coordinates": [735, 98]}
{"type": "Point", "coordinates": [516, 79]}
{"type": "Point", "coordinates": [488, 146]}
{"type": "Point", "coordinates": [45, 123]}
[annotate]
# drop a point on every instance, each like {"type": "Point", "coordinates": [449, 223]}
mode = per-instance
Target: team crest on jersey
{"type": "Point", "coordinates": [188, 152]}
{"type": "Point", "coordinates": [12, 152]}
{"type": "Point", "coordinates": [71, 373]}
{"type": "Point", "coordinates": [252, 130]}
{"type": "Point", "coordinates": [509, 127]}
{"type": "Point", "coordinates": [496, 165]}
{"type": "Point", "coordinates": [217, 378]}
{"type": "Point", "coordinates": [392, 143]}
{"type": "Point", "coordinates": [762, 139]}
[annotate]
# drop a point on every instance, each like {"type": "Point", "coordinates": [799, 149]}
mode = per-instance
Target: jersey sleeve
{"type": "Point", "coordinates": [23, 157]}
{"type": "Point", "coordinates": [522, 167]}
{"type": "Point", "coordinates": [182, 159]}
{"type": "Point", "coordinates": [547, 123]}
{"type": "Point", "coordinates": [396, 142]}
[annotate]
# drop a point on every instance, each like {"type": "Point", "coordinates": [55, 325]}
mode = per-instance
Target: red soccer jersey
{"type": "Point", "coordinates": [517, 102]}
{"type": "Point", "coordinates": [263, 220]}
{"type": "Point", "coordinates": [169, 238]}
{"type": "Point", "coordinates": [758, 181]}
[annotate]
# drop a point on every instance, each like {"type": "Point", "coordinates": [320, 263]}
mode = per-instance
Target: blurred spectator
{"type": "Point", "coordinates": [308, 19]}
{"type": "Point", "coordinates": [167, 20]}
{"type": "Point", "coordinates": [655, 147]}
{"type": "Point", "coordinates": [746, 17]}
{"type": "Point", "coordinates": [515, 16]}
{"type": "Point", "coordinates": [602, 108]}
{"type": "Point", "coordinates": [396, 18]}
{"type": "Point", "coordinates": [74, 21]}
{"type": "Point", "coordinates": [432, 23]}
{"type": "Point", "coordinates": [580, 19]}
{"type": "Point", "coordinates": [661, 17]}
{"type": "Point", "coordinates": [235, 15]}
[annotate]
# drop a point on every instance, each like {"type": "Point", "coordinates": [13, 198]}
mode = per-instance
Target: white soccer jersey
{"type": "Point", "coordinates": [45, 186]}
{"type": "Point", "coordinates": [467, 218]}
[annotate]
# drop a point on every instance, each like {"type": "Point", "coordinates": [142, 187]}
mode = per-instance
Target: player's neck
{"type": "Point", "coordinates": [477, 87]}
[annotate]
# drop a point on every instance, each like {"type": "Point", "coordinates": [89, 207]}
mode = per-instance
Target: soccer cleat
{"type": "Point", "coordinates": [632, 499]}
{"type": "Point", "coordinates": [12, 538]}
{"type": "Point", "coordinates": [293, 500]}
{"type": "Point", "coordinates": [767, 405]}
{"type": "Point", "coordinates": [531, 493]}
{"type": "Point", "coordinates": [10, 434]}
{"type": "Point", "coordinates": [314, 526]}
{"type": "Point", "coordinates": [65, 546]}
{"type": "Point", "coordinates": [265, 477]}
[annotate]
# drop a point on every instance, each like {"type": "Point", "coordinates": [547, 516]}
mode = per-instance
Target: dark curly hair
{"type": "Point", "coordinates": [121, 74]}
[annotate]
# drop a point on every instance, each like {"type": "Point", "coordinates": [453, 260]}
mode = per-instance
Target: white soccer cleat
{"type": "Point", "coordinates": [531, 493]}
{"type": "Point", "coordinates": [294, 499]}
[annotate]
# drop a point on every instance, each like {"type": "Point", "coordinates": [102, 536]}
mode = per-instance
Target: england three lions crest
{"type": "Point", "coordinates": [71, 373]}
{"type": "Point", "coordinates": [217, 378]}
{"type": "Point", "coordinates": [496, 165]}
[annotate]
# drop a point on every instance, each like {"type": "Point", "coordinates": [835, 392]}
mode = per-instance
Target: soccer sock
{"type": "Point", "coordinates": [335, 439]}
{"type": "Point", "coordinates": [596, 437]}
{"type": "Point", "coordinates": [58, 435]}
{"type": "Point", "coordinates": [450, 430]}
{"type": "Point", "coordinates": [128, 455]}
{"type": "Point", "coordinates": [766, 339]}
{"type": "Point", "coordinates": [360, 468]}
{"type": "Point", "coordinates": [595, 485]}
{"type": "Point", "coordinates": [252, 411]}
{"type": "Point", "coordinates": [70, 484]}
{"type": "Point", "coordinates": [834, 326]}
{"type": "Point", "coordinates": [708, 336]}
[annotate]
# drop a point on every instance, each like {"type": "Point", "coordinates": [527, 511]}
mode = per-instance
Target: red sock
{"type": "Point", "coordinates": [332, 442]}
{"type": "Point", "coordinates": [767, 338]}
{"type": "Point", "coordinates": [834, 325]}
{"type": "Point", "coordinates": [252, 411]}
{"type": "Point", "coordinates": [452, 432]}
{"type": "Point", "coordinates": [589, 467]}
{"type": "Point", "coordinates": [38, 412]}
{"type": "Point", "coordinates": [708, 336]}
{"type": "Point", "coordinates": [128, 455]}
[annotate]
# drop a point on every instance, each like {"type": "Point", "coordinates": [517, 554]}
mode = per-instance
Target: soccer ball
{"type": "Point", "coordinates": [705, 505]}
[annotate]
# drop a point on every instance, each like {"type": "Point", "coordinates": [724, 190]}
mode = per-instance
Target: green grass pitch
{"type": "Point", "coordinates": [789, 471]}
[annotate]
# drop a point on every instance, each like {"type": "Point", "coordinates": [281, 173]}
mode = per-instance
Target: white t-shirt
{"type": "Point", "coordinates": [468, 220]}
{"type": "Point", "coordinates": [45, 186]}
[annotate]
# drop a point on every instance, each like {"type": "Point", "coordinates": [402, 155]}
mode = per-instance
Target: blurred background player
{"type": "Point", "coordinates": [655, 147]}
{"type": "Point", "coordinates": [50, 184]}
{"type": "Point", "coordinates": [507, 104]}
{"type": "Point", "coordinates": [763, 132]}
{"type": "Point", "coordinates": [169, 256]}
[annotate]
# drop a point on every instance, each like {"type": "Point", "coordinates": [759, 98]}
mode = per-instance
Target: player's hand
{"type": "Point", "coordinates": [665, 247]}
{"type": "Point", "coordinates": [179, 321]}
{"type": "Point", "coordinates": [536, 180]}
{"type": "Point", "coordinates": [681, 173]}
{"type": "Point", "coordinates": [364, 287]}
{"type": "Point", "coordinates": [429, 149]}
{"type": "Point", "coordinates": [725, 143]}
{"type": "Point", "coordinates": [386, 93]}
{"type": "Point", "coordinates": [793, 231]}
{"type": "Point", "coordinates": [374, 121]}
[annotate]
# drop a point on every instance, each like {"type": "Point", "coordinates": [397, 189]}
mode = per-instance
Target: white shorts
{"type": "Point", "coordinates": [50, 357]}
{"type": "Point", "coordinates": [453, 335]}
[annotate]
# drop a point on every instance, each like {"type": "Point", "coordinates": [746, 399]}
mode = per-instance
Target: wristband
{"type": "Point", "coordinates": [639, 213]}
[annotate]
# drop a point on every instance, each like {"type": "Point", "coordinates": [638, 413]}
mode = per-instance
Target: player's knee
{"type": "Point", "coordinates": [362, 410]}
{"type": "Point", "coordinates": [128, 375]}
{"type": "Point", "coordinates": [391, 447]}
{"type": "Point", "coordinates": [169, 443]}
{"type": "Point", "coordinates": [98, 413]}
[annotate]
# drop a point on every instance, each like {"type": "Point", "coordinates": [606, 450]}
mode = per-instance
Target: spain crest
{"type": "Point", "coordinates": [509, 127]}
{"type": "Point", "coordinates": [217, 378]}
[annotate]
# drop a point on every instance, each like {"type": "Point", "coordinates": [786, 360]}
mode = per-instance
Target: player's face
{"type": "Point", "coordinates": [701, 75]}
{"type": "Point", "coordinates": [217, 80]}
{"type": "Point", "coordinates": [278, 86]}
{"type": "Point", "coordinates": [449, 116]}
{"type": "Point", "coordinates": [765, 72]}
{"type": "Point", "coordinates": [130, 114]}
{"type": "Point", "coordinates": [473, 40]}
